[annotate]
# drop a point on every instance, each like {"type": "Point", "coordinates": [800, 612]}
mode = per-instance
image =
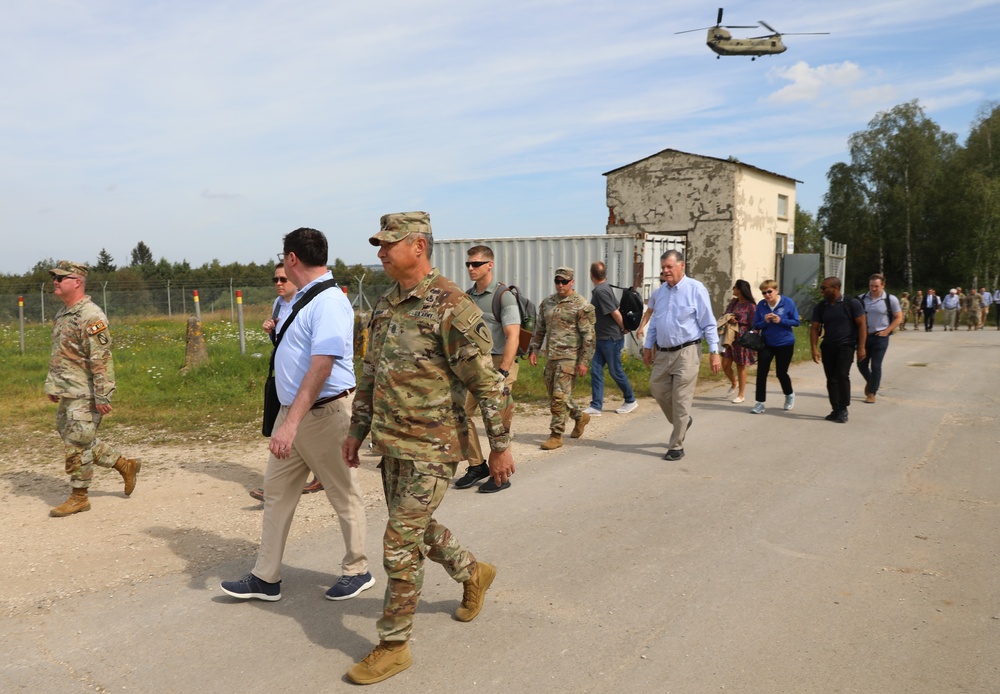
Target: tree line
{"type": "Point", "coordinates": [915, 205]}
{"type": "Point", "coordinates": [143, 273]}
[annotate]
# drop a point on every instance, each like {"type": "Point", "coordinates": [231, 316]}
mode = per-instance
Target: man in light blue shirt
{"type": "Point", "coordinates": [314, 375]}
{"type": "Point", "coordinates": [682, 317]}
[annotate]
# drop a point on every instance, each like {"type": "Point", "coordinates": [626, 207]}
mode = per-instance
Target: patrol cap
{"type": "Point", "coordinates": [565, 272]}
{"type": "Point", "coordinates": [68, 267]}
{"type": "Point", "coordinates": [398, 225]}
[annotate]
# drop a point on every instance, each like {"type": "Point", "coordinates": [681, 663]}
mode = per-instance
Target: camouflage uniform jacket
{"type": "Point", "coordinates": [81, 364]}
{"type": "Point", "coordinates": [426, 351]}
{"type": "Point", "coordinates": [569, 324]}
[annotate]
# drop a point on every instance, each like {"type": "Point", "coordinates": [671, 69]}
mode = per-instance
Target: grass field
{"type": "Point", "coordinates": [156, 402]}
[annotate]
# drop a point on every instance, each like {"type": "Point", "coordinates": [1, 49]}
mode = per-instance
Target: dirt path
{"type": "Point", "coordinates": [190, 510]}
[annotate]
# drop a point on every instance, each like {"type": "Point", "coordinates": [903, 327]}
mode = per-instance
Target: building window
{"type": "Point", "coordinates": [782, 207]}
{"type": "Point", "coordinates": [781, 244]}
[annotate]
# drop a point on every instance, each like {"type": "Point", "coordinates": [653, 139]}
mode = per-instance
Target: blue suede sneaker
{"type": "Point", "coordinates": [350, 586]}
{"type": "Point", "coordinates": [252, 587]}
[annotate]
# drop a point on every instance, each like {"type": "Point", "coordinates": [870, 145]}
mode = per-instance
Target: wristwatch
{"type": "Point", "coordinates": [504, 372]}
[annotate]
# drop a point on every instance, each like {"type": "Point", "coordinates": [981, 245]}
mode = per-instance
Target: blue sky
{"type": "Point", "coordinates": [209, 129]}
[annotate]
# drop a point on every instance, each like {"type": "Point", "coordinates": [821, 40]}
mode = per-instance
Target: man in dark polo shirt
{"type": "Point", "coordinates": [842, 320]}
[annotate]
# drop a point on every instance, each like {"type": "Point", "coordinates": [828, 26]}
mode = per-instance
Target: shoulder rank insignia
{"type": "Point", "coordinates": [97, 327]}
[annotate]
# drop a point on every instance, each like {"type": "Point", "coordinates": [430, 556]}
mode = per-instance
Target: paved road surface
{"type": "Point", "coordinates": [783, 554]}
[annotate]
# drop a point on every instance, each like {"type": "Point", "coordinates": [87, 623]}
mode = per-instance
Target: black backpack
{"type": "Point", "coordinates": [631, 308]}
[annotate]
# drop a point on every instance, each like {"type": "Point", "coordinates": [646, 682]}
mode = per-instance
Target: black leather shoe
{"type": "Point", "coordinates": [490, 486]}
{"type": "Point", "coordinates": [675, 455]}
{"type": "Point", "coordinates": [832, 417]}
{"type": "Point", "coordinates": [473, 475]}
{"type": "Point", "coordinates": [841, 417]}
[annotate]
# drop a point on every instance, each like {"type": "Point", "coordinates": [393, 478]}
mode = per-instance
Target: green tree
{"type": "Point", "coordinates": [141, 256]}
{"type": "Point", "coordinates": [105, 263]}
{"type": "Point", "coordinates": [808, 237]}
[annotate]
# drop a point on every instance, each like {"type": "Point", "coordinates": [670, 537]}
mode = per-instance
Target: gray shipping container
{"type": "Point", "coordinates": [531, 262]}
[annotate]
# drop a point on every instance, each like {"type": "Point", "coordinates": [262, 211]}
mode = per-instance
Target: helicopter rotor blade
{"type": "Point", "coordinates": [769, 27]}
{"type": "Point", "coordinates": [688, 31]}
{"type": "Point", "coordinates": [718, 21]}
{"type": "Point", "coordinates": [808, 33]}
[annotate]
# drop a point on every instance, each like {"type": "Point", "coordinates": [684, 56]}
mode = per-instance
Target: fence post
{"type": "Point", "coordinates": [169, 313]}
{"type": "Point", "coordinates": [231, 316]}
{"type": "Point", "coordinates": [20, 311]}
{"type": "Point", "coordinates": [42, 292]}
{"type": "Point", "coordinates": [197, 304]}
{"type": "Point", "coordinates": [104, 293]}
{"type": "Point", "coordinates": [239, 313]}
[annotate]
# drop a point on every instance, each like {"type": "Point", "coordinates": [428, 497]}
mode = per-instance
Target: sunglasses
{"type": "Point", "coordinates": [60, 278]}
{"type": "Point", "coordinates": [768, 291]}
{"type": "Point", "coordinates": [476, 263]}
{"type": "Point", "coordinates": [560, 280]}
{"type": "Point", "coordinates": [279, 279]}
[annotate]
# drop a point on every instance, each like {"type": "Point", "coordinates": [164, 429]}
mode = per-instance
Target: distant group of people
{"type": "Point", "coordinates": [972, 309]}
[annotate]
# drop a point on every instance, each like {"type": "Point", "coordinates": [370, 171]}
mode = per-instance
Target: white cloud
{"type": "Point", "coordinates": [810, 84]}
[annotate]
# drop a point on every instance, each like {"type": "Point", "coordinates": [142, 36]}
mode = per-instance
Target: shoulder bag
{"type": "Point", "coordinates": [271, 403]}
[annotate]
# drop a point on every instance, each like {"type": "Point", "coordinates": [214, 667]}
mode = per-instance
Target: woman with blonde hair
{"type": "Point", "coordinates": [775, 317]}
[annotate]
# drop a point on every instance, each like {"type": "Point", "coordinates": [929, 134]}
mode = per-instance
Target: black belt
{"type": "Point", "coordinates": [338, 396]}
{"type": "Point", "coordinates": [674, 349]}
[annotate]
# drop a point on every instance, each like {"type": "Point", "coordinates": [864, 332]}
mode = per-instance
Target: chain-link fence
{"type": "Point", "coordinates": [216, 299]}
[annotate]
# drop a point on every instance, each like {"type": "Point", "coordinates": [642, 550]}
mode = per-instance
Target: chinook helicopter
{"type": "Point", "coordinates": [723, 43]}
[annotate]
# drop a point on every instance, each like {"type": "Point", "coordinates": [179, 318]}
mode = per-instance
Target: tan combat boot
{"type": "Point", "coordinates": [76, 503]}
{"type": "Point", "coordinates": [553, 442]}
{"type": "Point", "coordinates": [389, 658]}
{"type": "Point", "coordinates": [581, 424]}
{"type": "Point", "coordinates": [129, 468]}
{"type": "Point", "coordinates": [474, 591]}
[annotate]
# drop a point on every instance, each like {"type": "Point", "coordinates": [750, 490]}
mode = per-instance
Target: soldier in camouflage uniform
{"type": "Point", "coordinates": [82, 380]}
{"type": "Point", "coordinates": [428, 347]}
{"type": "Point", "coordinates": [974, 309]}
{"type": "Point", "coordinates": [904, 305]}
{"type": "Point", "coordinates": [567, 319]}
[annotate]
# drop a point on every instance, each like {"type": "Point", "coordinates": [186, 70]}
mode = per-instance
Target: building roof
{"type": "Point", "coordinates": [702, 156]}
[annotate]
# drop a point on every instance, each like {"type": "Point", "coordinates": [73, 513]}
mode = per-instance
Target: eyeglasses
{"type": "Point", "coordinates": [476, 263]}
{"type": "Point", "coordinates": [281, 257]}
{"type": "Point", "coordinates": [768, 291]}
{"type": "Point", "coordinates": [279, 279]}
{"type": "Point", "coordinates": [560, 280]}
{"type": "Point", "coordinates": [60, 278]}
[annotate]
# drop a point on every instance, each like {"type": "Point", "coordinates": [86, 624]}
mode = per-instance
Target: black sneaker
{"type": "Point", "coordinates": [674, 455]}
{"type": "Point", "coordinates": [350, 586]}
{"type": "Point", "coordinates": [832, 417]}
{"type": "Point", "coordinates": [473, 475]}
{"type": "Point", "coordinates": [490, 486]}
{"type": "Point", "coordinates": [841, 417]}
{"type": "Point", "coordinates": [252, 587]}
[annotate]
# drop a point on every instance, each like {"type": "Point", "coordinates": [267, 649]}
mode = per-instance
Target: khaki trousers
{"type": "Point", "coordinates": [316, 448]}
{"type": "Point", "coordinates": [473, 413]}
{"type": "Point", "coordinates": [671, 383]}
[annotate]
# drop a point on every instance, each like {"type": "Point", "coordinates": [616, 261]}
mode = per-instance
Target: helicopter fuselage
{"type": "Point", "coordinates": [723, 43]}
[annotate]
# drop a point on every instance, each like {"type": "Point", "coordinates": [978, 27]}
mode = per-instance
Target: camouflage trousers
{"type": "Point", "coordinates": [413, 491]}
{"type": "Point", "coordinates": [559, 379]}
{"type": "Point", "coordinates": [77, 422]}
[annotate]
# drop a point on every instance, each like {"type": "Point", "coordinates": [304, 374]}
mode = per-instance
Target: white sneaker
{"type": "Point", "coordinates": [592, 412]}
{"type": "Point", "coordinates": [757, 409]}
{"type": "Point", "coordinates": [731, 393]}
{"type": "Point", "coordinates": [790, 401]}
{"type": "Point", "coordinates": [738, 399]}
{"type": "Point", "coordinates": [627, 407]}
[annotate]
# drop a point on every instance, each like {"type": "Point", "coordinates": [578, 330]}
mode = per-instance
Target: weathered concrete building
{"type": "Point", "coordinates": [738, 220]}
